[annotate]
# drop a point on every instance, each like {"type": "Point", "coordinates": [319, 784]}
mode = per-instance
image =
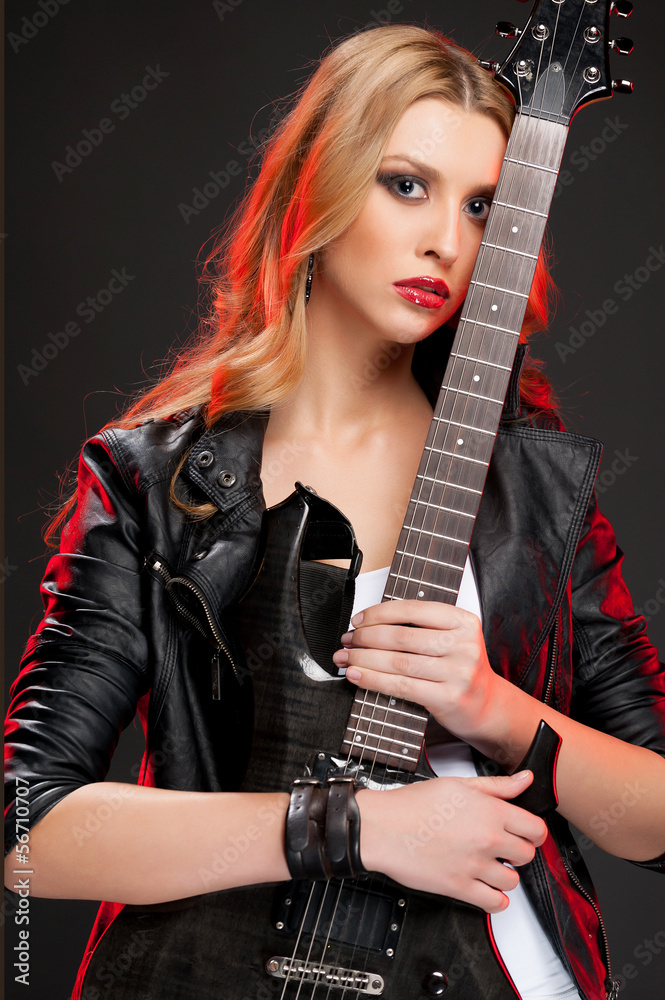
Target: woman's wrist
{"type": "Point", "coordinates": [369, 803]}
{"type": "Point", "coordinates": [505, 730]}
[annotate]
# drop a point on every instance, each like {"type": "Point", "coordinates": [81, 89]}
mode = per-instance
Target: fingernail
{"type": "Point", "coordinates": [341, 656]}
{"type": "Point", "coordinates": [356, 620]}
{"type": "Point", "coordinates": [353, 674]}
{"type": "Point", "coordinates": [521, 775]}
{"type": "Point", "coordinates": [346, 638]}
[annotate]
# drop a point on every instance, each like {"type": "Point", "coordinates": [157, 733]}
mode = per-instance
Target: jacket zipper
{"type": "Point", "coordinates": [551, 666]}
{"type": "Point", "coordinates": [193, 620]}
{"type": "Point", "coordinates": [611, 985]}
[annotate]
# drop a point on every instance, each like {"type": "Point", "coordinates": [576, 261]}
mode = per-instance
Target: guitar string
{"type": "Point", "coordinates": [466, 406]}
{"type": "Point", "coordinates": [501, 263]}
{"type": "Point", "coordinates": [411, 777]}
{"type": "Point", "coordinates": [321, 960]}
{"type": "Point", "coordinates": [317, 923]}
{"type": "Point", "coordinates": [373, 878]}
{"type": "Point", "coordinates": [317, 981]}
{"type": "Point", "coordinates": [412, 525]}
{"type": "Point", "coordinates": [552, 149]}
{"type": "Point", "coordinates": [438, 464]}
{"type": "Point", "coordinates": [293, 959]}
{"type": "Point", "coordinates": [442, 408]}
{"type": "Point", "coordinates": [363, 750]}
{"type": "Point", "coordinates": [501, 266]}
{"type": "Point", "coordinates": [439, 474]}
{"type": "Point", "coordinates": [425, 471]}
{"type": "Point", "coordinates": [315, 929]}
{"type": "Point", "coordinates": [437, 470]}
{"type": "Point", "coordinates": [386, 709]}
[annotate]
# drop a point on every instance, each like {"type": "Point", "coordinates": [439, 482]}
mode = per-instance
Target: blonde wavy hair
{"type": "Point", "coordinates": [316, 172]}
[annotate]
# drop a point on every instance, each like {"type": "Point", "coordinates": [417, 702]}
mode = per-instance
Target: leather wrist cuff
{"type": "Point", "coordinates": [305, 830]}
{"type": "Point", "coordinates": [322, 834]}
{"type": "Point", "coordinates": [343, 828]}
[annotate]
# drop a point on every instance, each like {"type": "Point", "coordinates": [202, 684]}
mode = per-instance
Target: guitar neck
{"type": "Point", "coordinates": [434, 540]}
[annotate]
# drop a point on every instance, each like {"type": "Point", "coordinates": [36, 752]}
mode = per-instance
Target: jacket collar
{"type": "Point", "coordinates": [225, 462]}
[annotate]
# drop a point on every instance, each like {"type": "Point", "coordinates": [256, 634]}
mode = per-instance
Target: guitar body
{"type": "Point", "coordinates": [401, 943]}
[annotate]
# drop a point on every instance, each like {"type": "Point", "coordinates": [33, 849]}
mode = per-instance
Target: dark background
{"type": "Point", "coordinates": [228, 65]}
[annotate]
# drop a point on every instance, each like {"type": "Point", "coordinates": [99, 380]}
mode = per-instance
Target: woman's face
{"type": "Point", "coordinates": [424, 217]}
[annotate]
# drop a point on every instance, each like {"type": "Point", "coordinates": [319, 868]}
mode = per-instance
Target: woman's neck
{"type": "Point", "coordinates": [351, 386]}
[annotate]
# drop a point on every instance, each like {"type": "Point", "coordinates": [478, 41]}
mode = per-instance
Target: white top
{"type": "Point", "coordinates": [536, 969]}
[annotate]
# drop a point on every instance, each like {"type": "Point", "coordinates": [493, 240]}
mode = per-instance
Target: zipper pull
{"type": "Point", "coordinates": [615, 986]}
{"type": "Point", "coordinates": [216, 678]}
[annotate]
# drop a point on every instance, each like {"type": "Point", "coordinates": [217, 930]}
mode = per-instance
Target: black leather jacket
{"type": "Point", "coordinates": [546, 564]}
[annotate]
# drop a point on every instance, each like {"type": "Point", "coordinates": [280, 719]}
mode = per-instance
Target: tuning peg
{"type": "Point", "coordinates": [624, 46]}
{"type": "Point", "coordinates": [622, 86]}
{"type": "Point", "coordinates": [489, 65]}
{"type": "Point", "coordinates": [505, 29]}
{"type": "Point", "coordinates": [622, 8]}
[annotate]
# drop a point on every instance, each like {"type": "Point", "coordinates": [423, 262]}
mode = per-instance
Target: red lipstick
{"type": "Point", "coordinates": [424, 291]}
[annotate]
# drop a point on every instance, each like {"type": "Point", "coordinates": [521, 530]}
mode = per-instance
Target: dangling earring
{"type": "Point", "coordinates": [308, 282]}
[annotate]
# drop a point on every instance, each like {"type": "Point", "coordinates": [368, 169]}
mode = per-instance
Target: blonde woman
{"type": "Point", "coordinates": [333, 300]}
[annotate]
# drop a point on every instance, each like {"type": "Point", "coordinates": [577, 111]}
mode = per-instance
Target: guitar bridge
{"type": "Point", "coordinates": [330, 975]}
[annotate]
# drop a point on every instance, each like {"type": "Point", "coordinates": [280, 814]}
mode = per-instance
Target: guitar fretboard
{"type": "Point", "coordinates": [433, 544]}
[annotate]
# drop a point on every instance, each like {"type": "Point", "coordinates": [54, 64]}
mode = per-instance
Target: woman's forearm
{"type": "Point", "coordinates": [612, 791]}
{"type": "Point", "coordinates": [137, 844]}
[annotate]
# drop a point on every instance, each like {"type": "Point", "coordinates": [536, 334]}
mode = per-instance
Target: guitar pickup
{"type": "Point", "coordinates": [346, 911]}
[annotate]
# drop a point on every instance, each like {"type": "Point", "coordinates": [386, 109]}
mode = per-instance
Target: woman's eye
{"type": "Point", "coordinates": [479, 209]}
{"type": "Point", "coordinates": [402, 185]}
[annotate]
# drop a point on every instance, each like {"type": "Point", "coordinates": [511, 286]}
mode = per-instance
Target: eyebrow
{"type": "Point", "coordinates": [431, 173]}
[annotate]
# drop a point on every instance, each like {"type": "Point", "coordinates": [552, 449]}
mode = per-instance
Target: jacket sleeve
{"type": "Point", "coordinates": [619, 683]}
{"type": "Point", "coordinates": [86, 666]}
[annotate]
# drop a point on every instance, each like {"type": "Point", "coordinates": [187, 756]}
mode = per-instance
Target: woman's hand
{"type": "Point", "coordinates": [441, 663]}
{"type": "Point", "coordinates": [445, 835]}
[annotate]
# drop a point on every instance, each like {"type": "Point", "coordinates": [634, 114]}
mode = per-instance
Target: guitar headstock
{"type": "Point", "coordinates": [561, 58]}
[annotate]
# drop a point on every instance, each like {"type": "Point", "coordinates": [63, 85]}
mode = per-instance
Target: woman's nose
{"type": "Point", "coordinates": [443, 236]}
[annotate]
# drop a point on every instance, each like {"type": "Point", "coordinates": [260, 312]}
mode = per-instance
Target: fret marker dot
{"type": "Point", "coordinates": [421, 593]}
{"type": "Point", "coordinates": [515, 228]}
{"type": "Point", "coordinates": [494, 308]}
{"type": "Point", "coordinates": [405, 750]}
{"type": "Point", "coordinates": [393, 701]}
{"type": "Point", "coordinates": [358, 739]}
{"type": "Point", "coordinates": [476, 378]}
{"type": "Point", "coordinates": [460, 440]}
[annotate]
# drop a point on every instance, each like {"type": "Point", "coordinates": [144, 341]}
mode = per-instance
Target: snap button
{"type": "Point", "coordinates": [226, 478]}
{"type": "Point", "coordinates": [205, 459]}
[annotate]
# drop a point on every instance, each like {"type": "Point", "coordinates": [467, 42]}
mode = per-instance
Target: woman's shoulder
{"type": "Point", "coordinates": [150, 450]}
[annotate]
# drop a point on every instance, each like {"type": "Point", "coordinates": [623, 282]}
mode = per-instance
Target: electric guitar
{"type": "Point", "coordinates": [369, 936]}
